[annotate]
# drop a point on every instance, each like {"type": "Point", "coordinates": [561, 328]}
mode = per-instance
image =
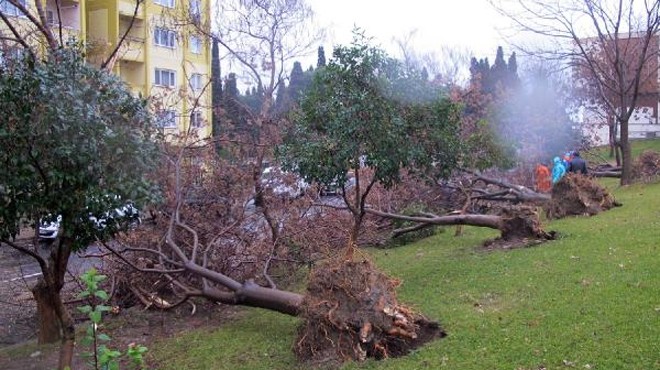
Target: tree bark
{"type": "Point", "coordinates": [490, 221]}
{"type": "Point", "coordinates": [613, 174]}
{"type": "Point", "coordinates": [281, 301]}
{"type": "Point", "coordinates": [626, 154]}
{"type": "Point", "coordinates": [50, 326]}
{"type": "Point", "coordinates": [55, 322]}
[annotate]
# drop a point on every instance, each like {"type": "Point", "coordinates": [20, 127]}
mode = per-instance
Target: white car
{"type": "Point", "coordinates": [49, 230]}
{"type": "Point", "coordinates": [282, 183]}
{"type": "Point", "coordinates": [128, 213]}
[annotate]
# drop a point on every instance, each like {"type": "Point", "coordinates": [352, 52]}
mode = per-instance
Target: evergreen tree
{"type": "Point", "coordinates": [253, 98]}
{"type": "Point", "coordinates": [298, 83]}
{"type": "Point", "coordinates": [498, 72]}
{"type": "Point", "coordinates": [512, 71]}
{"type": "Point", "coordinates": [425, 74]}
{"type": "Point", "coordinates": [321, 58]}
{"type": "Point", "coordinates": [216, 94]}
{"type": "Point", "coordinates": [230, 101]}
{"type": "Point", "coordinates": [281, 104]}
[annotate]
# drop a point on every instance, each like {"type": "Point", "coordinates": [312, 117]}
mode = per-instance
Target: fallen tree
{"type": "Point", "coordinates": [506, 192]}
{"type": "Point", "coordinates": [514, 223]}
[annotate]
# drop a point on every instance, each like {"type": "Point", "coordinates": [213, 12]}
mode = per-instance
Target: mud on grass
{"type": "Point", "coordinates": [351, 313]}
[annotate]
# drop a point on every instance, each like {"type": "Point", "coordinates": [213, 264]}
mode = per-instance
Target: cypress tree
{"type": "Point", "coordinates": [512, 71]}
{"type": "Point", "coordinates": [230, 100]}
{"type": "Point", "coordinates": [321, 58]}
{"type": "Point", "coordinates": [296, 81]}
{"type": "Point", "coordinates": [216, 93]}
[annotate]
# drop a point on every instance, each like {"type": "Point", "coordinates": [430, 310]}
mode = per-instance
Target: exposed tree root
{"type": "Point", "coordinates": [576, 195]}
{"type": "Point", "coordinates": [351, 312]}
{"type": "Point", "coordinates": [647, 166]}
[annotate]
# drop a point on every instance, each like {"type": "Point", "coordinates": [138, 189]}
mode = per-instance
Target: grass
{"type": "Point", "coordinates": [638, 146]}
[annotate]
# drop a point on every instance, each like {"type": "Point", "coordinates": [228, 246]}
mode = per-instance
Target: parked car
{"type": "Point", "coordinates": [333, 188]}
{"type": "Point", "coordinates": [49, 228]}
{"type": "Point", "coordinates": [282, 183]}
{"type": "Point", "coordinates": [125, 216]}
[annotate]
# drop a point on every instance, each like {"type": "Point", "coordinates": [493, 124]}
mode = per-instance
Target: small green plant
{"type": "Point", "coordinates": [102, 357]}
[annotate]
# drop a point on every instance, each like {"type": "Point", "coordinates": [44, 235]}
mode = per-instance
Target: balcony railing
{"type": "Point", "coordinates": [127, 9]}
{"type": "Point", "coordinates": [132, 49]}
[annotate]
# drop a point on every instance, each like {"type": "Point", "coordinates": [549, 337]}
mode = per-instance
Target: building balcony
{"type": "Point", "coordinates": [127, 9]}
{"type": "Point", "coordinates": [68, 32]}
{"type": "Point", "coordinates": [132, 49]}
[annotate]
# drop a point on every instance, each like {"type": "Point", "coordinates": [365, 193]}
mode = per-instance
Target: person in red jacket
{"type": "Point", "coordinates": [542, 174]}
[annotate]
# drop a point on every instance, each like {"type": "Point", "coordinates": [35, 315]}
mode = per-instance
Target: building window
{"type": "Point", "coordinates": [195, 45]}
{"type": "Point", "coordinates": [195, 11]}
{"type": "Point", "coordinates": [166, 119]}
{"type": "Point", "coordinates": [165, 77]}
{"type": "Point", "coordinates": [8, 9]}
{"type": "Point", "coordinates": [196, 119]}
{"type": "Point", "coordinates": [196, 81]}
{"type": "Point", "coordinates": [166, 3]}
{"type": "Point", "coordinates": [164, 37]}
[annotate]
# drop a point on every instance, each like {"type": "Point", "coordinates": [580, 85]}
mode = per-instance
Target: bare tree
{"type": "Point", "coordinates": [612, 46]}
{"type": "Point", "coordinates": [448, 66]}
{"type": "Point", "coordinates": [259, 39]}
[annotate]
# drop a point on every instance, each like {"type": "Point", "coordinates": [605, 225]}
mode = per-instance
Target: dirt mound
{"type": "Point", "coordinates": [576, 195]}
{"type": "Point", "coordinates": [647, 166]}
{"type": "Point", "coordinates": [351, 312]}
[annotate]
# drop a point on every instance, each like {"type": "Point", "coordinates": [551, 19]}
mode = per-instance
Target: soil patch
{"type": "Point", "coordinates": [133, 325]}
{"type": "Point", "coordinates": [576, 195]}
{"type": "Point", "coordinates": [352, 313]}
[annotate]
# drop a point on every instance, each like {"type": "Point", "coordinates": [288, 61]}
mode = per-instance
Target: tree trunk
{"type": "Point", "coordinates": [282, 301]}
{"type": "Point", "coordinates": [353, 238]}
{"type": "Point", "coordinates": [612, 140]}
{"type": "Point", "coordinates": [626, 170]}
{"type": "Point", "coordinates": [521, 223]}
{"type": "Point", "coordinates": [55, 322]}
{"type": "Point", "coordinates": [50, 326]}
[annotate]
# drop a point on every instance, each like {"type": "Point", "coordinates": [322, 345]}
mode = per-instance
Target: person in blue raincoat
{"type": "Point", "coordinates": [558, 170]}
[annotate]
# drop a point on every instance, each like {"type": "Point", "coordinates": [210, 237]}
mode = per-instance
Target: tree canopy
{"type": "Point", "coordinates": [71, 135]}
{"type": "Point", "coordinates": [364, 108]}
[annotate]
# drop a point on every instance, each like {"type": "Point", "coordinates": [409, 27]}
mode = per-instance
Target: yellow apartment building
{"type": "Point", "coordinates": [162, 54]}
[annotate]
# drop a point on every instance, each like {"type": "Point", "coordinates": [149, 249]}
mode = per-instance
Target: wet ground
{"type": "Point", "coordinates": [18, 273]}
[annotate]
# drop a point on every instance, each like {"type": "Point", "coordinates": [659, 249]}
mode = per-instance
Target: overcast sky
{"type": "Point", "coordinates": [471, 24]}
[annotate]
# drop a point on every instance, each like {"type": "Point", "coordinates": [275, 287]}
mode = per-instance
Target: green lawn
{"type": "Point", "coordinates": [638, 146]}
{"type": "Point", "coordinates": [590, 300]}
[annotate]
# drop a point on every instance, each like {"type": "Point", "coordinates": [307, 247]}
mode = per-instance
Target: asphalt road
{"type": "Point", "coordinates": [15, 266]}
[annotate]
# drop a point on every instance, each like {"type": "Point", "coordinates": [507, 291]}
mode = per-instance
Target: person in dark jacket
{"type": "Point", "coordinates": [577, 164]}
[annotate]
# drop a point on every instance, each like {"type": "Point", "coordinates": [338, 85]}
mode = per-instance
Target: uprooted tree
{"type": "Point", "coordinates": [365, 115]}
{"type": "Point", "coordinates": [365, 119]}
